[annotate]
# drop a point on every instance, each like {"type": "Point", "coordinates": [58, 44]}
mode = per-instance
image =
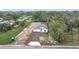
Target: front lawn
{"type": "Point", "coordinates": [5, 37]}
{"type": "Point", "coordinates": [76, 43]}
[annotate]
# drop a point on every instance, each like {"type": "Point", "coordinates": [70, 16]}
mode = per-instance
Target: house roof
{"type": "Point", "coordinates": [40, 25]}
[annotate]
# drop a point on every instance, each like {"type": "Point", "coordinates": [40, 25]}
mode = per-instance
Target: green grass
{"type": "Point", "coordinates": [76, 43]}
{"type": "Point", "coordinates": [5, 37]}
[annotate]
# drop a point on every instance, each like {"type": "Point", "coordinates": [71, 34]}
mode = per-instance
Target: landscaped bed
{"type": "Point", "coordinates": [6, 37]}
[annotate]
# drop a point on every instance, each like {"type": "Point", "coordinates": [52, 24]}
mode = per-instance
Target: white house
{"type": "Point", "coordinates": [40, 28]}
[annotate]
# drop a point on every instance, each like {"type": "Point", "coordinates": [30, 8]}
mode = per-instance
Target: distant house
{"type": "Point", "coordinates": [1, 19]}
{"type": "Point", "coordinates": [22, 18]}
{"type": "Point", "coordinates": [11, 22]}
{"type": "Point", "coordinates": [40, 27]}
{"type": "Point", "coordinates": [3, 22]}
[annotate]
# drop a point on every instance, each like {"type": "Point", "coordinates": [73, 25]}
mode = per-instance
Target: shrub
{"type": "Point", "coordinates": [69, 37]}
{"type": "Point", "coordinates": [5, 27]}
{"type": "Point", "coordinates": [58, 28]}
{"type": "Point", "coordinates": [25, 23]}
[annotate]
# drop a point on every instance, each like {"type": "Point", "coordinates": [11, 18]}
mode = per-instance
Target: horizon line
{"type": "Point", "coordinates": [39, 9]}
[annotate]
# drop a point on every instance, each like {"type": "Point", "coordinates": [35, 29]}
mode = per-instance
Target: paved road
{"type": "Point", "coordinates": [37, 47]}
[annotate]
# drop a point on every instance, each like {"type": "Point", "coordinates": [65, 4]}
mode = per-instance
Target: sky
{"type": "Point", "coordinates": [39, 4]}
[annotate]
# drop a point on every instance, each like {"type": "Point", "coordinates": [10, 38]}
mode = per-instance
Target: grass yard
{"type": "Point", "coordinates": [76, 43]}
{"type": "Point", "coordinates": [5, 37]}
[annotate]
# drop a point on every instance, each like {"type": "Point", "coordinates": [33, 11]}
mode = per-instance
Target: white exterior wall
{"type": "Point", "coordinates": [39, 30]}
{"type": "Point", "coordinates": [44, 30]}
{"type": "Point", "coordinates": [36, 30]}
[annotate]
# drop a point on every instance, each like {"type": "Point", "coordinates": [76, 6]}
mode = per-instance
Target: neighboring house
{"type": "Point", "coordinates": [12, 22]}
{"type": "Point", "coordinates": [4, 22]}
{"type": "Point", "coordinates": [1, 19]}
{"type": "Point", "coordinates": [22, 18]}
{"type": "Point", "coordinates": [40, 27]}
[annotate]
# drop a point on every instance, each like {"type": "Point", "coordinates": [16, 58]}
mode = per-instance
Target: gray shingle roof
{"type": "Point", "coordinates": [40, 25]}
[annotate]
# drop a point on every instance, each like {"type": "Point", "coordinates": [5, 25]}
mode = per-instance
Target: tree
{"type": "Point", "coordinates": [1, 14]}
{"type": "Point", "coordinates": [15, 16]}
{"type": "Point", "coordinates": [58, 27]}
{"type": "Point", "coordinates": [5, 26]}
{"type": "Point", "coordinates": [37, 16]}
